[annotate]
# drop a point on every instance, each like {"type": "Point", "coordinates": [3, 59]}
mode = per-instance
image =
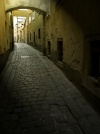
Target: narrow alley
{"type": "Point", "coordinates": [37, 98]}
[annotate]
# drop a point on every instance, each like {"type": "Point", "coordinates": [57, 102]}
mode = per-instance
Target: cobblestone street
{"type": "Point", "coordinates": [37, 98]}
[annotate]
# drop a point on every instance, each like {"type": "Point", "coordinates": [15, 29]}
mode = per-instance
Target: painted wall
{"type": "Point", "coordinates": [61, 24]}
{"type": "Point", "coordinates": [5, 34]}
{"type": "Point", "coordinates": [76, 23]}
{"type": "Point", "coordinates": [33, 29]}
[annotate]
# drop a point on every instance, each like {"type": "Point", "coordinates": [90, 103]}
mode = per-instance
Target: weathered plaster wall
{"type": "Point", "coordinates": [71, 21]}
{"type": "Point", "coordinates": [62, 25]}
{"type": "Point", "coordinates": [2, 28]}
{"type": "Point", "coordinates": [5, 30]}
{"type": "Point", "coordinates": [77, 23]}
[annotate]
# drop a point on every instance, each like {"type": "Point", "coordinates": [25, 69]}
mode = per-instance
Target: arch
{"type": "Point", "coordinates": [38, 5]}
{"type": "Point", "coordinates": [26, 7]}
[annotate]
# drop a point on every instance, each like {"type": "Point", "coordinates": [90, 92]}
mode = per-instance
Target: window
{"type": "Point", "coordinates": [95, 59]}
{"type": "Point", "coordinates": [34, 37]}
{"type": "Point", "coordinates": [39, 33]}
{"type": "Point", "coordinates": [60, 50]}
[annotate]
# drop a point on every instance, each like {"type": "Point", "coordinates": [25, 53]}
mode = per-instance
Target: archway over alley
{"type": "Point", "coordinates": [38, 5]}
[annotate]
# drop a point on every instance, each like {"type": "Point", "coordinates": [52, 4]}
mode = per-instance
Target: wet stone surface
{"type": "Point", "coordinates": [36, 98]}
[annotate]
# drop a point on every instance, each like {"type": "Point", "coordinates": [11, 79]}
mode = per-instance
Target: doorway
{"type": "Point", "coordinates": [60, 50]}
{"type": "Point", "coordinates": [34, 38]}
{"type": "Point", "coordinates": [95, 59]}
{"type": "Point", "coordinates": [49, 48]}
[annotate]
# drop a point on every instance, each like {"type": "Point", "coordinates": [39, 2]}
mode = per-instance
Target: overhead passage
{"type": "Point", "coordinates": [38, 5]}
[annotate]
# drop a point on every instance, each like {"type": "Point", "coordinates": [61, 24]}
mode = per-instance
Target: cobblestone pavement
{"type": "Point", "coordinates": [36, 98]}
